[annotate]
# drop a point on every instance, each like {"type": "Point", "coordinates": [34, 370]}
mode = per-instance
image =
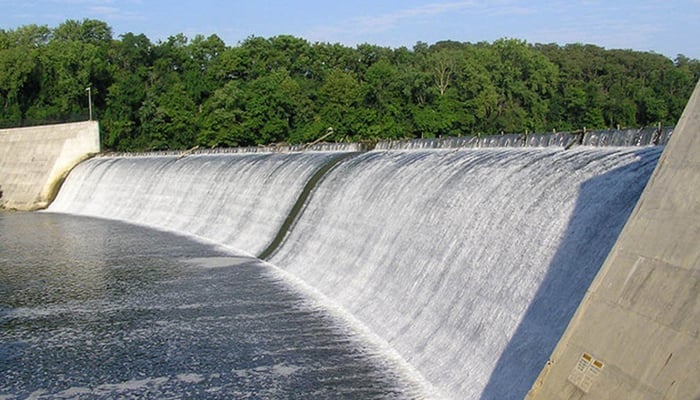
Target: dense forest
{"type": "Point", "coordinates": [182, 92]}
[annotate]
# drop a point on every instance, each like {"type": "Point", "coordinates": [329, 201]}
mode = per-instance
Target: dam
{"type": "Point", "coordinates": [484, 269]}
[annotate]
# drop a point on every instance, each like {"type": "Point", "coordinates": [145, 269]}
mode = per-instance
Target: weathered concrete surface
{"type": "Point", "coordinates": [636, 333]}
{"type": "Point", "coordinates": [35, 160]}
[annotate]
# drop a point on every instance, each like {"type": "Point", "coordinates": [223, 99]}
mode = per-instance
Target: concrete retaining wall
{"type": "Point", "coordinates": [35, 160]}
{"type": "Point", "coordinates": [636, 334]}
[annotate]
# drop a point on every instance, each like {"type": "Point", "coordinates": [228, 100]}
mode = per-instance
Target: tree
{"type": "Point", "coordinates": [525, 82]}
{"type": "Point", "coordinates": [74, 59]}
{"type": "Point", "coordinates": [223, 119]}
{"type": "Point", "coordinates": [132, 61]}
{"type": "Point", "coordinates": [168, 120]}
{"type": "Point", "coordinates": [383, 95]}
{"type": "Point", "coordinates": [201, 67]}
{"type": "Point", "coordinates": [339, 96]}
{"type": "Point", "coordinates": [19, 66]}
{"type": "Point", "coordinates": [443, 66]}
{"type": "Point", "coordinates": [271, 108]}
{"type": "Point", "coordinates": [181, 92]}
{"type": "Point", "coordinates": [475, 90]}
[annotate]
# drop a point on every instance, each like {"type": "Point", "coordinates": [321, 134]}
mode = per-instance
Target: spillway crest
{"type": "Point", "coordinates": [468, 262]}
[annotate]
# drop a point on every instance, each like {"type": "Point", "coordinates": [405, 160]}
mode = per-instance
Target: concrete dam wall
{"type": "Point", "coordinates": [636, 334]}
{"type": "Point", "coordinates": [34, 160]}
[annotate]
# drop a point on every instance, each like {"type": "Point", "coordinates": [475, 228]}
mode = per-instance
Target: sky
{"type": "Point", "coordinates": [665, 27]}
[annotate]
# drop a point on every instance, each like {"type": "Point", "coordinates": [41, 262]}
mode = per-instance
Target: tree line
{"type": "Point", "coordinates": [182, 92]}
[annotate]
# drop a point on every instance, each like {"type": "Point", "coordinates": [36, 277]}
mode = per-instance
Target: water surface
{"type": "Point", "coordinates": [91, 308]}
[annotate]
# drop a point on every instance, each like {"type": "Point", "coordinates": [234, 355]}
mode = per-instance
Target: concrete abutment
{"type": "Point", "coordinates": [636, 334]}
{"type": "Point", "coordinates": [35, 160]}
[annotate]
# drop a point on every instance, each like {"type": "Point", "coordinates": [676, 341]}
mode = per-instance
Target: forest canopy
{"type": "Point", "coordinates": [183, 92]}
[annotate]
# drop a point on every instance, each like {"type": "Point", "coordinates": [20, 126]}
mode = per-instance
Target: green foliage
{"type": "Point", "coordinates": [182, 92]}
{"type": "Point", "coordinates": [222, 124]}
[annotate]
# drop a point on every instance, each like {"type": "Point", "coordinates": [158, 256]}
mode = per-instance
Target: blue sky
{"type": "Point", "coordinates": [665, 27]}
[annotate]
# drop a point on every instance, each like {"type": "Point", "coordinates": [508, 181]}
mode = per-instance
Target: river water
{"type": "Point", "coordinates": [91, 308]}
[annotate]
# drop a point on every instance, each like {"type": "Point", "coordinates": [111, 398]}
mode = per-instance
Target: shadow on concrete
{"type": "Point", "coordinates": [602, 208]}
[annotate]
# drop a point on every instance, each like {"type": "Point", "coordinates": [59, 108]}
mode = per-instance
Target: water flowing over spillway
{"type": "Point", "coordinates": [239, 200]}
{"type": "Point", "coordinates": [468, 262]}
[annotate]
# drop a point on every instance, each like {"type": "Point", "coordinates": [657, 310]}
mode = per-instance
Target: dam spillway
{"type": "Point", "coordinates": [468, 262]}
{"type": "Point", "coordinates": [237, 200]}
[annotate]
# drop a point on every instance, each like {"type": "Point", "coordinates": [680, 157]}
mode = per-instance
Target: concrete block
{"type": "Point", "coordinates": [34, 160]}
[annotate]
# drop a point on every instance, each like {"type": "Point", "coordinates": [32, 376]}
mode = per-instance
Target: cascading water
{"type": "Point", "coordinates": [469, 263]}
{"type": "Point", "coordinates": [236, 199]}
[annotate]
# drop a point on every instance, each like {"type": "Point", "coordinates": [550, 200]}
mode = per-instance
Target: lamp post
{"type": "Point", "coordinates": [89, 94]}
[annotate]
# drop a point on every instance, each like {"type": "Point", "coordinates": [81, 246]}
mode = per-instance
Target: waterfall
{"type": "Point", "coordinates": [469, 263]}
{"type": "Point", "coordinates": [239, 200]}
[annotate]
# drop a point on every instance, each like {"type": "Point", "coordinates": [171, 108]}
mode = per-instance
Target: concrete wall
{"type": "Point", "coordinates": [636, 334]}
{"type": "Point", "coordinates": [35, 160]}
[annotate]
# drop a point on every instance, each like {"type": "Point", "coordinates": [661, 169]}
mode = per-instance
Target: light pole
{"type": "Point", "coordinates": [89, 93]}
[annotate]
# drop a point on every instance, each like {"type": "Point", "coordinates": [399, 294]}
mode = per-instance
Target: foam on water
{"type": "Point", "coordinates": [377, 346]}
{"type": "Point", "coordinates": [170, 319]}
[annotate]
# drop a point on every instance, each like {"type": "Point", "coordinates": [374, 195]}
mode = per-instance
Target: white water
{"type": "Point", "coordinates": [237, 199]}
{"type": "Point", "coordinates": [468, 263]}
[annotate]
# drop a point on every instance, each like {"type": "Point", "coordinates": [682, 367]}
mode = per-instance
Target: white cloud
{"type": "Point", "coordinates": [380, 23]}
{"type": "Point", "coordinates": [358, 27]}
{"type": "Point", "coordinates": [114, 13]}
{"type": "Point", "coordinates": [104, 10]}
